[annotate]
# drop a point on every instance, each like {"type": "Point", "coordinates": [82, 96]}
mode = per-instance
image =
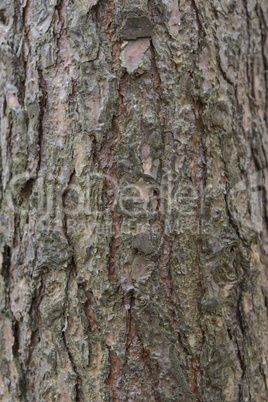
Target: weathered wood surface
{"type": "Point", "coordinates": [133, 200]}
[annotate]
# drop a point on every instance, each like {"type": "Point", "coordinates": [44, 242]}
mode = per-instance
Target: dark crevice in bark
{"type": "Point", "coordinates": [263, 373]}
{"type": "Point", "coordinates": [66, 207]}
{"type": "Point", "coordinates": [89, 307]}
{"type": "Point", "coordinates": [196, 362]}
{"type": "Point", "coordinates": [256, 156]}
{"type": "Point", "coordinates": [112, 262]}
{"type": "Point", "coordinates": [265, 296]}
{"type": "Point", "coordinates": [198, 371]}
{"type": "Point", "coordinates": [195, 378]}
{"type": "Point", "coordinates": [16, 354]}
{"type": "Point", "coordinates": [74, 368]}
{"type": "Point", "coordinates": [132, 335]}
{"type": "Point", "coordinates": [129, 322]}
{"type": "Point", "coordinates": [201, 29]}
{"type": "Point", "coordinates": [243, 370]}
{"type": "Point", "coordinates": [6, 275]}
{"type": "Point", "coordinates": [223, 73]}
{"type": "Point", "coordinates": [156, 78]}
{"type": "Point", "coordinates": [17, 51]}
{"type": "Point", "coordinates": [265, 205]}
{"type": "Point", "coordinates": [233, 339]}
{"type": "Point", "coordinates": [9, 138]}
{"type": "Point", "coordinates": [114, 245]}
{"type": "Point", "coordinates": [218, 57]}
{"type": "Point", "coordinates": [26, 190]}
{"type": "Point", "coordinates": [71, 270]}
{"type": "Point", "coordinates": [263, 30]}
{"type": "Point", "coordinates": [59, 10]}
{"type": "Point", "coordinates": [230, 334]}
{"type": "Point", "coordinates": [158, 90]}
{"type": "Point", "coordinates": [198, 108]}
{"type": "Point", "coordinates": [129, 335]}
{"type": "Point", "coordinates": [241, 353]}
{"type": "Point", "coordinates": [3, 17]}
{"type": "Point", "coordinates": [42, 109]}
{"type": "Point", "coordinates": [170, 295]}
{"type": "Point", "coordinates": [24, 11]}
{"type": "Point", "coordinates": [240, 359]}
{"type": "Point", "coordinates": [15, 324]}
{"type": "Point", "coordinates": [95, 157]}
{"type": "Point", "coordinates": [260, 188]}
{"type": "Point", "coordinates": [161, 114]}
{"type": "Point", "coordinates": [59, 7]}
{"type": "Point", "coordinates": [107, 163]}
{"type": "Point", "coordinates": [249, 61]}
{"type": "Point", "coordinates": [65, 193]}
{"type": "Point", "coordinates": [230, 217]}
{"type": "Point", "coordinates": [147, 364]}
{"type": "Point", "coordinates": [24, 59]}
{"type": "Point", "coordinates": [96, 7]}
{"type": "Point", "coordinates": [34, 313]}
{"type": "Point", "coordinates": [113, 379]}
{"type": "Point", "coordinates": [26, 33]}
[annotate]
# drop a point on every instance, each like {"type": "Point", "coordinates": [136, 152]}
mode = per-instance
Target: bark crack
{"type": "Point", "coordinates": [6, 267]}
{"type": "Point", "coordinates": [72, 268]}
{"type": "Point", "coordinates": [240, 353]}
{"type": "Point", "coordinates": [77, 387]}
{"type": "Point", "coordinates": [263, 30]}
{"type": "Point", "coordinates": [230, 217]}
{"type": "Point", "coordinates": [42, 108]}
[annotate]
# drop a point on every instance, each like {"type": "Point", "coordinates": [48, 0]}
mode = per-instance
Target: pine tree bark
{"type": "Point", "coordinates": [134, 218]}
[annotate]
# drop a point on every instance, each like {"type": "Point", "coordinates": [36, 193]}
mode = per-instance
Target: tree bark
{"type": "Point", "coordinates": [134, 218]}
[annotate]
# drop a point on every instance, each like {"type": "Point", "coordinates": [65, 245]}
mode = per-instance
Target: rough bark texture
{"type": "Point", "coordinates": [134, 218]}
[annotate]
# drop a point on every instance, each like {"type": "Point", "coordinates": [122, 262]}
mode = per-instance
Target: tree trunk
{"type": "Point", "coordinates": [134, 217]}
